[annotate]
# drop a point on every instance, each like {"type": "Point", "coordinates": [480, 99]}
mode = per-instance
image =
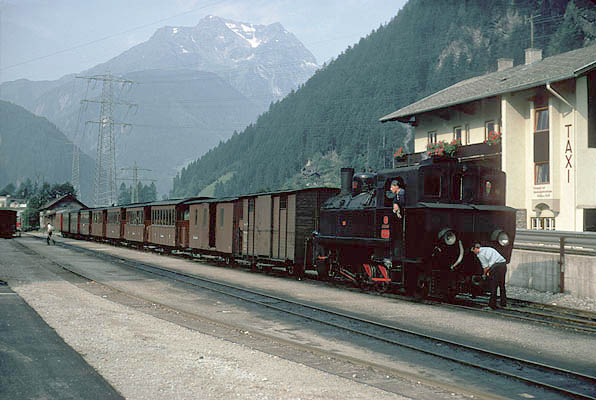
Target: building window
{"type": "Point", "coordinates": [490, 126]}
{"type": "Point", "coordinates": [432, 137]}
{"type": "Point", "coordinates": [543, 223]}
{"type": "Point", "coordinates": [541, 147]}
{"type": "Point", "coordinates": [221, 217]}
{"type": "Point", "coordinates": [590, 220]}
{"type": "Point", "coordinates": [196, 216]}
{"type": "Point", "coordinates": [467, 137]}
{"type": "Point", "coordinates": [457, 133]}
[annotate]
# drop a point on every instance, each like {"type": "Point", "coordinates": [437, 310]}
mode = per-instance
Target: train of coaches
{"type": "Point", "coordinates": [350, 233]}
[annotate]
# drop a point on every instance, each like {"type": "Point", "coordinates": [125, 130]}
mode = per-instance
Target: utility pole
{"type": "Point", "coordinates": [76, 177]}
{"type": "Point", "coordinates": [134, 191]}
{"type": "Point", "coordinates": [104, 188]}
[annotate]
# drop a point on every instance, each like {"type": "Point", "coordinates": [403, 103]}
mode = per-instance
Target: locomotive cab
{"type": "Point", "coordinates": [449, 205]}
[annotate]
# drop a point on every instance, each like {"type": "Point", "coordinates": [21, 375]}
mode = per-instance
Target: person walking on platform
{"type": "Point", "coordinates": [495, 269]}
{"type": "Point", "coordinates": [50, 230]}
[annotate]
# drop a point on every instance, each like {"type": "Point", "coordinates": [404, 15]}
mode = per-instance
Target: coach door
{"type": "Point", "coordinates": [212, 222]}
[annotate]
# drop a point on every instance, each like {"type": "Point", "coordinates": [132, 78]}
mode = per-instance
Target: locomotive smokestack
{"type": "Point", "coordinates": [346, 181]}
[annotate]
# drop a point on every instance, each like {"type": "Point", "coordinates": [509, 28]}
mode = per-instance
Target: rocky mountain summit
{"type": "Point", "coordinates": [263, 62]}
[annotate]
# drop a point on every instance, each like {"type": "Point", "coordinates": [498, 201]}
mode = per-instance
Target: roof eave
{"type": "Point", "coordinates": [407, 116]}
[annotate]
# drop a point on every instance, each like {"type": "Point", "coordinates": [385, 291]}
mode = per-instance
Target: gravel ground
{"type": "Point", "coordinates": [555, 299]}
{"type": "Point", "coordinates": [147, 358]}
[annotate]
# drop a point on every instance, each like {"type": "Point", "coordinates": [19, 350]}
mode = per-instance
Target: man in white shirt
{"type": "Point", "coordinates": [50, 231]}
{"type": "Point", "coordinates": [495, 268]}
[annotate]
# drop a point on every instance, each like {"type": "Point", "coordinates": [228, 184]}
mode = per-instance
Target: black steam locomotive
{"type": "Point", "coordinates": [449, 205]}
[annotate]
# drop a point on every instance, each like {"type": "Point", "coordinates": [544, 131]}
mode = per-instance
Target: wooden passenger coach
{"type": "Point", "coordinates": [275, 226]}
{"type": "Point", "coordinates": [214, 225]}
{"type": "Point", "coordinates": [115, 223]}
{"type": "Point", "coordinates": [8, 222]}
{"type": "Point", "coordinates": [137, 218]}
{"type": "Point", "coordinates": [85, 222]}
{"type": "Point", "coordinates": [98, 223]}
{"type": "Point", "coordinates": [169, 225]}
{"type": "Point", "coordinates": [73, 219]}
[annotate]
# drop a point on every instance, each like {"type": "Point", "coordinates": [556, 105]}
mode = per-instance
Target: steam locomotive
{"type": "Point", "coordinates": [449, 206]}
{"type": "Point", "coordinates": [351, 234]}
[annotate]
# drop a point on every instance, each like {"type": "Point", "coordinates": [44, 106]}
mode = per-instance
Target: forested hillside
{"type": "Point", "coordinates": [332, 120]}
{"type": "Point", "coordinates": [33, 148]}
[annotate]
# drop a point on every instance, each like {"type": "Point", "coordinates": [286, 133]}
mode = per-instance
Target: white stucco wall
{"type": "Point", "coordinates": [477, 114]}
{"type": "Point", "coordinates": [515, 128]}
{"type": "Point", "coordinates": [585, 167]}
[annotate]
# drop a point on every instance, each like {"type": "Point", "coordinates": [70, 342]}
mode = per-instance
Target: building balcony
{"type": "Point", "coordinates": [471, 152]}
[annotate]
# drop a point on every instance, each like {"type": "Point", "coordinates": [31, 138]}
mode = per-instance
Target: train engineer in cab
{"type": "Point", "coordinates": [399, 199]}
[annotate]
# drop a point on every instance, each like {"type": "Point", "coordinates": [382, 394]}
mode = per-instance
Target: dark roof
{"type": "Point", "coordinates": [170, 202]}
{"type": "Point", "coordinates": [210, 200]}
{"type": "Point", "coordinates": [551, 69]}
{"type": "Point", "coordinates": [288, 191]}
{"type": "Point", "coordinates": [66, 197]}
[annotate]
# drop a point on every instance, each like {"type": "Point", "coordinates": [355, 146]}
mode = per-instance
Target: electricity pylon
{"type": "Point", "coordinates": [104, 188]}
{"type": "Point", "coordinates": [134, 190]}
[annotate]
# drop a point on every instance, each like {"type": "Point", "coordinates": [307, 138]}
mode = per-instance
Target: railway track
{"type": "Point", "coordinates": [555, 316]}
{"type": "Point", "coordinates": [560, 317]}
{"type": "Point", "coordinates": [566, 383]}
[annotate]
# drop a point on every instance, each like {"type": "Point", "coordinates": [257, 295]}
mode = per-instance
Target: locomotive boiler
{"type": "Point", "coordinates": [449, 206]}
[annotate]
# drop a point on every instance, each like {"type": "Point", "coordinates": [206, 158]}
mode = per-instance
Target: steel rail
{"type": "Point", "coordinates": [536, 366]}
{"type": "Point", "coordinates": [316, 350]}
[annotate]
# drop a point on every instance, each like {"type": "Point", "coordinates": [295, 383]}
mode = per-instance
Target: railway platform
{"type": "Point", "coordinates": [35, 363]}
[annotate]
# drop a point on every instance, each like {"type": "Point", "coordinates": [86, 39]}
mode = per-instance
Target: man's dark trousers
{"type": "Point", "coordinates": [497, 280]}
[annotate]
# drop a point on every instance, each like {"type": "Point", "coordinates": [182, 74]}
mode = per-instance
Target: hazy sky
{"type": "Point", "coordinates": [46, 39]}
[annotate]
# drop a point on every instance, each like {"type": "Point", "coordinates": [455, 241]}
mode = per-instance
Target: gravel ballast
{"type": "Point", "coordinates": [144, 357]}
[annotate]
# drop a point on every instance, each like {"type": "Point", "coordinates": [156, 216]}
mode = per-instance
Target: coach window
{"type": "Point", "coordinates": [541, 147]}
{"type": "Point", "coordinates": [283, 202]}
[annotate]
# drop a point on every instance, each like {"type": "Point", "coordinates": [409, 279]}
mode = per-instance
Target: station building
{"type": "Point", "coordinates": [540, 118]}
{"type": "Point", "coordinates": [47, 213]}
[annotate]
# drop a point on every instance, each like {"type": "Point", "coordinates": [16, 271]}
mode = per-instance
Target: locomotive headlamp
{"type": "Point", "coordinates": [501, 237]}
{"type": "Point", "coordinates": [448, 236]}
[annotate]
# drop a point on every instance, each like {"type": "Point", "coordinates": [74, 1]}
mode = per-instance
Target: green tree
{"type": "Point", "coordinates": [7, 190]}
{"type": "Point", "coordinates": [124, 194]}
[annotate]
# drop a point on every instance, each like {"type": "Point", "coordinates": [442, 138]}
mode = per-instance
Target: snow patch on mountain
{"type": "Point", "coordinates": [249, 31]}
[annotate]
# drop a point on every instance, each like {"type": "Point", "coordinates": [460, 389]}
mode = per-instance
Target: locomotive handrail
{"type": "Point", "coordinates": [567, 242]}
